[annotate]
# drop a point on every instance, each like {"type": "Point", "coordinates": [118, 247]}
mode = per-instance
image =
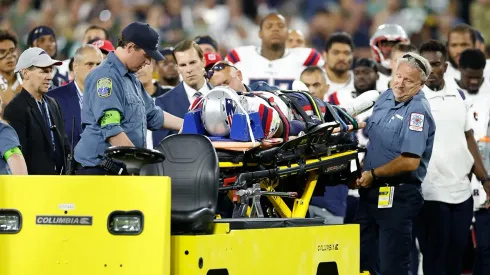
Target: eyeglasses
{"type": "Point", "coordinates": [219, 67]}
{"type": "Point", "coordinates": [419, 63]}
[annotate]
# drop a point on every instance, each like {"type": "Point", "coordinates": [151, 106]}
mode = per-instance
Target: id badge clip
{"type": "Point", "coordinates": [385, 199]}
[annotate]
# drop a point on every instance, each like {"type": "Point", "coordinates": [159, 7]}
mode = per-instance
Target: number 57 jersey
{"type": "Point", "coordinates": [280, 72]}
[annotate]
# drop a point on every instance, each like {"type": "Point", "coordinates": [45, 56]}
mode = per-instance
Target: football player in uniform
{"type": "Point", "coordinates": [339, 54]}
{"type": "Point", "coordinates": [384, 38]}
{"type": "Point", "coordinates": [272, 62]}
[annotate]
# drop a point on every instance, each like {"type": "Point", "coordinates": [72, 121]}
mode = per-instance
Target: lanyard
{"type": "Point", "coordinates": [50, 125]}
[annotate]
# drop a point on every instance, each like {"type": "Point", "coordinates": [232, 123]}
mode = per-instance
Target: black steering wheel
{"type": "Point", "coordinates": [134, 158]}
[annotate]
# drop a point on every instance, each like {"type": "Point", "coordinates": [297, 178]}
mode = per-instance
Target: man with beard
{"type": "Point", "coordinates": [338, 60]}
{"type": "Point", "coordinates": [272, 62]}
{"type": "Point", "coordinates": [45, 38]}
{"type": "Point", "coordinates": [448, 203]}
{"type": "Point", "coordinates": [168, 76]}
{"type": "Point", "coordinates": [460, 38]}
{"type": "Point", "coordinates": [8, 59]}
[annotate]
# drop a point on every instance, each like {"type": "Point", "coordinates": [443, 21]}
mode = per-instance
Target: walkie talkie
{"type": "Point", "coordinates": [71, 159]}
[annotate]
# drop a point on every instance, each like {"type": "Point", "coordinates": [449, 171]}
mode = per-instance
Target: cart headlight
{"type": "Point", "coordinates": [10, 221]}
{"type": "Point", "coordinates": [125, 223]}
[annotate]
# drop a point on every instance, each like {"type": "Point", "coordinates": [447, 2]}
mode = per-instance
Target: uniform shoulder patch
{"type": "Point", "coordinates": [104, 87]}
{"type": "Point", "coordinates": [416, 122]}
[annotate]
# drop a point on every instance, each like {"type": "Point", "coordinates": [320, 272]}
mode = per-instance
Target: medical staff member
{"type": "Point", "coordinates": [116, 109]}
{"type": "Point", "coordinates": [11, 158]}
{"type": "Point", "coordinates": [401, 133]}
{"type": "Point", "coordinates": [445, 218]}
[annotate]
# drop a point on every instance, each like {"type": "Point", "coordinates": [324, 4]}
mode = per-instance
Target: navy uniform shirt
{"type": "Point", "coordinates": [396, 128]}
{"type": "Point", "coordinates": [8, 141]}
{"type": "Point", "coordinates": [111, 87]}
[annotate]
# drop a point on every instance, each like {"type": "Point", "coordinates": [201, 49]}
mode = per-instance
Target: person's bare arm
{"type": "Point", "coordinates": [120, 139]}
{"type": "Point", "coordinates": [401, 164]}
{"type": "Point", "coordinates": [17, 164]}
{"type": "Point", "coordinates": [172, 122]}
{"type": "Point", "coordinates": [479, 168]}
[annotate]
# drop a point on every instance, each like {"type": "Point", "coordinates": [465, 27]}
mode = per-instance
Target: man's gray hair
{"type": "Point", "coordinates": [415, 60]}
{"type": "Point", "coordinates": [81, 51]}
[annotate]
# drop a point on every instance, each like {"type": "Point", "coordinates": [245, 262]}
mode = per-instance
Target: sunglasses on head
{"type": "Point", "coordinates": [419, 63]}
{"type": "Point", "coordinates": [218, 67]}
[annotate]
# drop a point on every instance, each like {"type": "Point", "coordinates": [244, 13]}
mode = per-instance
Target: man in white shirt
{"type": "Point", "coordinates": [190, 64]}
{"type": "Point", "coordinates": [472, 84]}
{"type": "Point", "coordinates": [445, 218]}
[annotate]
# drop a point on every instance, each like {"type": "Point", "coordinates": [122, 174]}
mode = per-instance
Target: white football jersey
{"type": "Point", "coordinates": [479, 113]}
{"type": "Point", "coordinates": [337, 87]}
{"type": "Point", "coordinates": [281, 72]}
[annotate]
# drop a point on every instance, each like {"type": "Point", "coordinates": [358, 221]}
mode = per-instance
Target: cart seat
{"type": "Point", "coordinates": [192, 164]}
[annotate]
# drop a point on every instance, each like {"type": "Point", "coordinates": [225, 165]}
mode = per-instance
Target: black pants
{"type": "Point", "coordinates": [443, 230]}
{"type": "Point", "coordinates": [482, 251]}
{"type": "Point", "coordinates": [386, 233]}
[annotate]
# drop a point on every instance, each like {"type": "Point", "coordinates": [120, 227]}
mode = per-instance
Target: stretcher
{"type": "Point", "coordinates": [251, 170]}
{"type": "Point", "coordinates": [285, 170]}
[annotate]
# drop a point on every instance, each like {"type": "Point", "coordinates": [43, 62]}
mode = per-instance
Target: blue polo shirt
{"type": "Point", "coordinates": [111, 87]}
{"type": "Point", "coordinates": [400, 127]}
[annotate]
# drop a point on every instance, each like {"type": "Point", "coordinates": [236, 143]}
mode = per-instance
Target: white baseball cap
{"type": "Point", "coordinates": [36, 57]}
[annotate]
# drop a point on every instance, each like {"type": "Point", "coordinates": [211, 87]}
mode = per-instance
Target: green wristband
{"type": "Point", "coordinates": [9, 153]}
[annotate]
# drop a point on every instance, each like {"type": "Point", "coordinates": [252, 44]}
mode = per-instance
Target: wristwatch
{"type": "Point", "coordinates": [374, 175]}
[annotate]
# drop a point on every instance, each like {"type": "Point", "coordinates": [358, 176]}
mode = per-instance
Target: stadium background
{"type": "Point", "coordinates": [234, 23]}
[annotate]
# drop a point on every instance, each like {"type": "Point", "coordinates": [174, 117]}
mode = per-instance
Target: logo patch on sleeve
{"type": "Point", "coordinates": [104, 87]}
{"type": "Point", "coordinates": [416, 122]}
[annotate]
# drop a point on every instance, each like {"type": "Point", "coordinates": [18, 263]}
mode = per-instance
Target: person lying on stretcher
{"type": "Point", "coordinates": [275, 109]}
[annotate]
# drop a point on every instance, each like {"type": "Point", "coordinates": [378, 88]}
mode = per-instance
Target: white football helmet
{"type": "Point", "coordinates": [386, 32]}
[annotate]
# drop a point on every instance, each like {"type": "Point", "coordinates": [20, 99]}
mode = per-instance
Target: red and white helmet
{"type": "Point", "coordinates": [386, 32]}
